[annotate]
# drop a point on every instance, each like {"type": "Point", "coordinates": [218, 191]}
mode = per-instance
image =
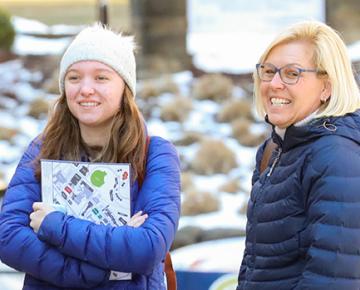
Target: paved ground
{"type": "Point", "coordinates": [10, 279]}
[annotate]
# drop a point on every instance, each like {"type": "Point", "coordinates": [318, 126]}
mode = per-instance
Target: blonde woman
{"type": "Point", "coordinates": [95, 119]}
{"type": "Point", "coordinates": [303, 229]}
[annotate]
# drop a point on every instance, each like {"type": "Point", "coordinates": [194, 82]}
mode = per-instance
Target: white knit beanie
{"type": "Point", "coordinates": [99, 43]}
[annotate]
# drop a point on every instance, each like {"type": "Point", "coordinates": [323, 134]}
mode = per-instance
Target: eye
{"type": "Point", "coordinates": [291, 72]}
{"type": "Point", "coordinates": [72, 77]}
{"type": "Point", "coordinates": [268, 70]}
{"type": "Point", "coordinates": [102, 78]}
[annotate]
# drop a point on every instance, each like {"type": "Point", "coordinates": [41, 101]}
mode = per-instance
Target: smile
{"type": "Point", "coordinates": [89, 104]}
{"type": "Point", "coordinates": [279, 102]}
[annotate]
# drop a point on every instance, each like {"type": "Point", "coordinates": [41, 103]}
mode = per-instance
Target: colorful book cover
{"type": "Point", "coordinates": [98, 192]}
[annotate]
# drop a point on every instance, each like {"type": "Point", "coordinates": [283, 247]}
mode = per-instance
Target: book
{"type": "Point", "coordinates": [97, 192]}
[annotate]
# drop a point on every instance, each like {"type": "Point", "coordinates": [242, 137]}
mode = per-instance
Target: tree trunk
{"type": "Point", "coordinates": [160, 28]}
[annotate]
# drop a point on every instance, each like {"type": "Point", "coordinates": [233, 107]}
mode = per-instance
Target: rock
{"type": "Point", "coordinates": [51, 85]}
{"type": "Point", "coordinates": [213, 157]}
{"type": "Point", "coordinates": [252, 140]}
{"type": "Point", "coordinates": [241, 132]}
{"type": "Point", "coordinates": [155, 87]}
{"type": "Point", "coordinates": [9, 94]}
{"type": "Point", "coordinates": [39, 108]}
{"type": "Point", "coordinates": [7, 133]}
{"type": "Point", "coordinates": [221, 233]}
{"type": "Point", "coordinates": [191, 235]}
{"type": "Point", "coordinates": [186, 181]}
{"type": "Point", "coordinates": [187, 236]}
{"type": "Point", "coordinates": [231, 186]}
{"type": "Point", "coordinates": [46, 64]}
{"type": "Point", "coordinates": [235, 109]}
{"type": "Point", "coordinates": [189, 138]}
{"type": "Point", "coordinates": [177, 110]}
{"type": "Point", "coordinates": [240, 127]}
{"type": "Point", "coordinates": [214, 87]}
{"type": "Point", "coordinates": [197, 202]}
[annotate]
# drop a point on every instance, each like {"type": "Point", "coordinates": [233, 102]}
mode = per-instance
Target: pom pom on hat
{"type": "Point", "coordinates": [101, 44]}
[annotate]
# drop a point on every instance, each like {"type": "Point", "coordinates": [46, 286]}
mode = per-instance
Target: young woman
{"type": "Point", "coordinates": [95, 119]}
{"type": "Point", "coordinates": [303, 229]}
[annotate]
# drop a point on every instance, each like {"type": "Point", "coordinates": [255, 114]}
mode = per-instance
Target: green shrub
{"type": "Point", "coordinates": [7, 31]}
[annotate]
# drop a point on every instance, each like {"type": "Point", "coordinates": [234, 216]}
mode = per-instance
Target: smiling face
{"type": "Point", "coordinates": [93, 93]}
{"type": "Point", "coordinates": [288, 104]}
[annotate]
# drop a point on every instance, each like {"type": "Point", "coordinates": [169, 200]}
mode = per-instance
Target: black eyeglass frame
{"type": "Point", "coordinates": [278, 70]}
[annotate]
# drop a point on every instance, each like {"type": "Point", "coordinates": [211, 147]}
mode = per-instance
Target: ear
{"type": "Point", "coordinates": [326, 91]}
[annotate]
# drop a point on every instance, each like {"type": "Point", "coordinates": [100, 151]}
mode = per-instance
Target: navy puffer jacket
{"type": "Point", "coordinates": [70, 253]}
{"type": "Point", "coordinates": [303, 229]}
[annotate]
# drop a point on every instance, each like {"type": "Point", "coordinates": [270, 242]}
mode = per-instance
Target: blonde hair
{"type": "Point", "coordinates": [330, 56]}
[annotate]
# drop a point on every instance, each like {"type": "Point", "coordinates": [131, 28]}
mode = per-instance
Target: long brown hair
{"type": "Point", "coordinates": [61, 138]}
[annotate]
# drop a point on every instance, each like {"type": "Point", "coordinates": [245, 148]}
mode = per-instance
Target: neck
{"type": "Point", "coordinates": [306, 120]}
{"type": "Point", "coordinates": [94, 137]}
{"type": "Point", "coordinates": [303, 122]}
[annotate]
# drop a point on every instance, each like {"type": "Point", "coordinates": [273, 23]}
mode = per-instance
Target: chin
{"type": "Point", "coordinates": [278, 123]}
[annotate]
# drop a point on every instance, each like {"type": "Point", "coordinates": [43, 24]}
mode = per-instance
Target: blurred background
{"type": "Point", "coordinates": [195, 64]}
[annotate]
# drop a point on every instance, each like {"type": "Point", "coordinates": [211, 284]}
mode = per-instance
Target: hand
{"type": "Point", "coordinates": [37, 216]}
{"type": "Point", "coordinates": [137, 219]}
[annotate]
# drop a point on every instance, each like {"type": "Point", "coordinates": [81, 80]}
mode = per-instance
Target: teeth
{"type": "Point", "coordinates": [88, 104]}
{"type": "Point", "coordinates": [278, 101]}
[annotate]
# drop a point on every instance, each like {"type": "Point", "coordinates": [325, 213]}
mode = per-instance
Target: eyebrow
{"type": "Point", "coordinates": [104, 70]}
{"type": "Point", "coordinates": [294, 64]}
{"type": "Point", "coordinates": [96, 70]}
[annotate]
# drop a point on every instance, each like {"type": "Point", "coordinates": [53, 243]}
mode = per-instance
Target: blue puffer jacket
{"type": "Point", "coordinates": [303, 229]}
{"type": "Point", "coordinates": [72, 253]}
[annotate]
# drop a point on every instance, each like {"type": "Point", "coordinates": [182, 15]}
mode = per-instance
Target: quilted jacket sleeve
{"type": "Point", "coordinates": [332, 236]}
{"type": "Point", "coordinates": [255, 177]}
{"type": "Point", "coordinates": [125, 248]}
{"type": "Point", "coordinates": [20, 247]}
{"type": "Point", "coordinates": [242, 271]}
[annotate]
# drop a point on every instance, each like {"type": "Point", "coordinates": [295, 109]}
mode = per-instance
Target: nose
{"type": "Point", "coordinates": [87, 88]}
{"type": "Point", "coordinates": [277, 82]}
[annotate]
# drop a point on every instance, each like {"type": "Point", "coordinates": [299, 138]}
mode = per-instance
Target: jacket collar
{"type": "Point", "coordinates": [347, 126]}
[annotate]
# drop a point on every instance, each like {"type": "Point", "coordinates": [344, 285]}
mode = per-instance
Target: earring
{"type": "Point", "coordinates": [323, 101]}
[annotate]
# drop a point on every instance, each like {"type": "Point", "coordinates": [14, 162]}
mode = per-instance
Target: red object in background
{"type": "Point", "coordinates": [68, 189]}
{"type": "Point", "coordinates": [125, 175]}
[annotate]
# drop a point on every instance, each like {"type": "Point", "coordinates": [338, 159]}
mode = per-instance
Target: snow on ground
{"type": "Point", "coordinates": [25, 44]}
{"type": "Point", "coordinates": [225, 256]}
{"type": "Point", "coordinates": [226, 36]}
{"type": "Point", "coordinates": [230, 35]}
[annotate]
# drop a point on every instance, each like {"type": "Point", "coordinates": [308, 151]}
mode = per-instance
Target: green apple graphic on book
{"type": "Point", "coordinates": [97, 178]}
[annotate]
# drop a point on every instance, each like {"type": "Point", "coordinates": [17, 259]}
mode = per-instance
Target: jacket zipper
{"type": "Point", "coordinates": [277, 158]}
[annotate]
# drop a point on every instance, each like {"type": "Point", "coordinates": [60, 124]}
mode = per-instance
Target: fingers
{"type": "Point", "coordinates": [37, 205]}
{"type": "Point", "coordinates": [34, 220]}
{"type": "Point", "coordinates": [138, 222]}
{"type": "Point", "coordinates": [32, 216]}
{"type": "Point", "coordinates": [137, 219]}
{"type": "Point", "coordinates": [33, 226]}
{"type": "Point", "coordinates": [37, 216]}
{"type": "Point", "coordinates": [137, 214]}
{"type": "Point", "coordinates": [42, 206]}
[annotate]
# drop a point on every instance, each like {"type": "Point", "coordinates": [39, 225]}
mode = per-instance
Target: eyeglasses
{"type": "Point", "coordinates": [289, 74]}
